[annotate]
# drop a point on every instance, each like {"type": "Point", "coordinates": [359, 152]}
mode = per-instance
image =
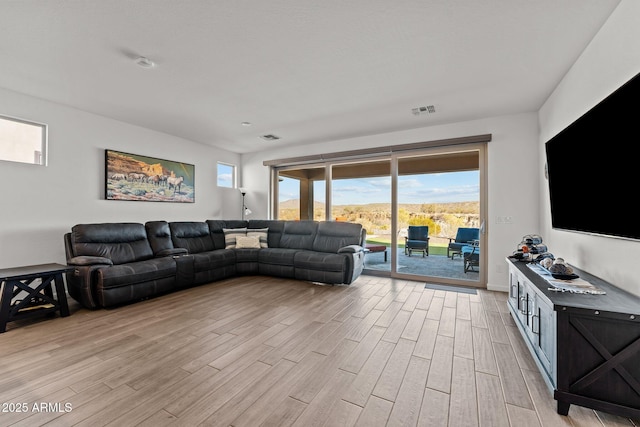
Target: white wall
{"type": "Point", "coordinates": [610, 60]}
{"type": "Point", "coordinates": [513, 171]}
{"type": "Point", "coordinates": [39, 204]}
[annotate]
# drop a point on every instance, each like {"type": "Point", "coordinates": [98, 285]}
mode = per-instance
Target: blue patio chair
{"type": "Point", "coordinates": [471, 257]}
{"type": "Point", "coordinates": [464, 236]}
{"type": "Point", "coordinates": [417, 240]}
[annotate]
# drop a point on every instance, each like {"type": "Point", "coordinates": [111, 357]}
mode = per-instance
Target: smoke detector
{"type": "Point", "coordinates": [270, 137]}
{"type": "Point", "coordinates": [429, 109]}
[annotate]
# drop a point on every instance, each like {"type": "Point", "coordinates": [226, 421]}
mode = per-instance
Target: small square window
{"type": "Point", "coordinates": [226, 175]}
{"type": "Point", "coordinates": [23, 141]}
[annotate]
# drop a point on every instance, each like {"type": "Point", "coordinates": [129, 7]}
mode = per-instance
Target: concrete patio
{"type": "Point", "coordinates": [432, 265]}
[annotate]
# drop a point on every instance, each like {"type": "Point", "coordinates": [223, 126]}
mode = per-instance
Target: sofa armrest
{"type": "Point", "coordinates": [172, 252]}
{"type": "Point", "coordinates": [89, 260]}
{"type": "Point", "coordinates": [350, 249]}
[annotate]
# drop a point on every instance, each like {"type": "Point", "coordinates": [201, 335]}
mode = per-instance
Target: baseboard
{"type": "Point", "coordinates": [497, 288]}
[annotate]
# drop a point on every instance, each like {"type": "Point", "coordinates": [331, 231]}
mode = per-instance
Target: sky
{"type": "Point", "coordinates": [427, 188]}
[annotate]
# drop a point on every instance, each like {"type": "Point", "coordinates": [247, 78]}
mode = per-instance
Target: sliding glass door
{"type": "Point", "coordinates": [423, 210]}
{"type": "Point", "coordinates": [438, 194]}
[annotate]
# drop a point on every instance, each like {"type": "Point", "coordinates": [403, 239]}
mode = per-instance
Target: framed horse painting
{"type": "Point", "coordinates": [149, 179]}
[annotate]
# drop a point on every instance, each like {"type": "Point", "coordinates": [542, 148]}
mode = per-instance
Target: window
{"type": "Point", "coordinates": [226, 175]}
{"type": "Point", "coordinates": [23, 141]}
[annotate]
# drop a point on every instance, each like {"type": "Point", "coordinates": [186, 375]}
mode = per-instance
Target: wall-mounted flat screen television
{"type": "Point", "coordinates": [593, 168]}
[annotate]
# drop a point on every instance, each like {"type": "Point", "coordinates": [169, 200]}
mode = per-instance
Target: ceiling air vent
{"type": "Point", "coordinates": [270, 137]}
{"type": "Point", "coordinates": [429, 109]}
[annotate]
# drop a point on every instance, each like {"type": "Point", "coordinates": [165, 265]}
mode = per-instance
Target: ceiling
{"type": "Point", "coordinates": [307, 71]}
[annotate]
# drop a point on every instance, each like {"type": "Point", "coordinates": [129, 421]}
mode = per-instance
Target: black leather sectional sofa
{"type": "Point", "coordinates": [118, 263]}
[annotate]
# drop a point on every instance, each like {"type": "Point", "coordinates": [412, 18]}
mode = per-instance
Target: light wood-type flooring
{"type": "Point", "coordinates": [254, 351]}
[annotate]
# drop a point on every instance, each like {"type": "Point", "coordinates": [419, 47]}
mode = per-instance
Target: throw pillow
{"type": "Point", "coordinates": [247, 242]}
{"type": "Point", "coordinates": [230, 236]}
{"type": "Point", "coordinates": [261, 233]}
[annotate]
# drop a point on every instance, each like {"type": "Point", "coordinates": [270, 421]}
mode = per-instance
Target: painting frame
{"type": "Point", "coordinates": [136, 177]}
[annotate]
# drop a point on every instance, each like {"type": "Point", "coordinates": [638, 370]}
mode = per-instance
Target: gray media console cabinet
{"type": "Point", "coordinates": [587, 347]}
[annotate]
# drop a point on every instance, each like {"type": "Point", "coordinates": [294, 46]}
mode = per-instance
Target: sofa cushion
{"type": "Point", "coordinates": [310, 260]}
{"type": "Point", "coordinates": [246, 255]}
{"type": "Point", "coordinates": [231, 235]}
{"type": "Point", "coordinates": [277, 256]}
{"type": "Point", "coordinates": [261, 233]}
{"type": "Point", "coordinates": [212, 260]}
{"type": "Point", "coordinates": [332, 236]}
{"type": "Point", "coordinates": [120, 242]}
{"type": "Point", "coordinates": [193, 236]}
{"type": "Point", "coordinates": [217, 225]}
{"type": "Point", "coordinates": [298, 234]}
{"type": "Point", "coordinates": [244, 242]}
{"type": "Point", "coordinates": [136, 272]}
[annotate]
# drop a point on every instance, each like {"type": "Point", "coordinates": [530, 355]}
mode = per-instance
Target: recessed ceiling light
{"type": "Point", "coordinates": [246, 124]}
{"type": "Point", "coordinates": [144, 62]}
{"type": "Point", "coordinates": [270, 137]}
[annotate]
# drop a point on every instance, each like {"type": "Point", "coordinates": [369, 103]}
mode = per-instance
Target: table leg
{"type": "Point", "coordinates": [6, 295]}
{"type": "Point", "coordinates": [61, 295]}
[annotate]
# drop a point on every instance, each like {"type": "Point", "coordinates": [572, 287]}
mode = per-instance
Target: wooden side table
{"type": "Point", "coordinates": [22, 296]}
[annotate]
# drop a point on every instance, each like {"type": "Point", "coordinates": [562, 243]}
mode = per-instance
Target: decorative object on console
{"type": "Point", "coordinates": [142, 178]}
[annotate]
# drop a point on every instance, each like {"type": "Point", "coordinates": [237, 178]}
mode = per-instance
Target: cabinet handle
{"type": "Point", "coordinates": [533, 324]}
{"type": "Point", "coordinates": [523, 303]}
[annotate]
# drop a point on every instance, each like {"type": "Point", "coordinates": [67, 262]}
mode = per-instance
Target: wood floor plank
{"type": "Point", "coordinates": [375, 413]}
{"type": "Point", "coordinates": [343, 414]}
{"type": "Point", "coordinates": [441, 365]}
{"type": "Point", "coordinates": [545, 407]}
{"type": "Point", "coordinates": [478, 318]}
{"type": "Point", "coordinates": [414, 325]}
{"type": "Point", "coordinates": [406, 409]}
{"type": "Point", "coordinates": [463, 406]}
{"type": "Point", "coordinates": [393, 374]}
{"type": "Point", "coordinates": [434, 411]}
{"type": "Point", "coordinates": [496, 327]}
{"type": "Point", "coordinates": [311, 385]}
{"type": "Point", "coordinates": [463, 339]}
{"type": "Point", "coordinates": [427, 339]}
{"type": "Point", "coordinates": [522, 417]}
{"type": "Point", "coordinates": [485, 360]}
{"type": "Point", "coordinates": [523, 356]}
{"type": "Point", "coordinates": [283, 415]}
{"type": "Point", "coordinates": [361, 353]}
{"type": "Point", "coordinates": [447, 322]}
{"type": "Point", "coordinates": [451, 299]}
{"type": "Point", "coordinates": [492, 409]}
{"type": "Point", "coordinates": [513, 384]}
{"type": "Point", "coordinates": [228, 412]}
{"type": "Point", "coordinates": [202, 407]}
{"type": "Point", "coordinates": [463, 307]}
{"type": "Point", "coordinates": [319, 410]}
{"type": "Point", "coordinates": [394, 331]}
{"type": "Point", "coordinates": [425, 299]}
{"type": "Point", "coordinates": [435, 308]}
{"type": "Point", "coordinates": [277, 397]}
{"type": "Point", "coordinates": [389, 314]}
{"type": "Point", "coordinates": [362, 386]}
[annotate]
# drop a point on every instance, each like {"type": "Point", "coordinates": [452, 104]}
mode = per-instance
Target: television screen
{"type": "Point", "coordinates": [593, 168]}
